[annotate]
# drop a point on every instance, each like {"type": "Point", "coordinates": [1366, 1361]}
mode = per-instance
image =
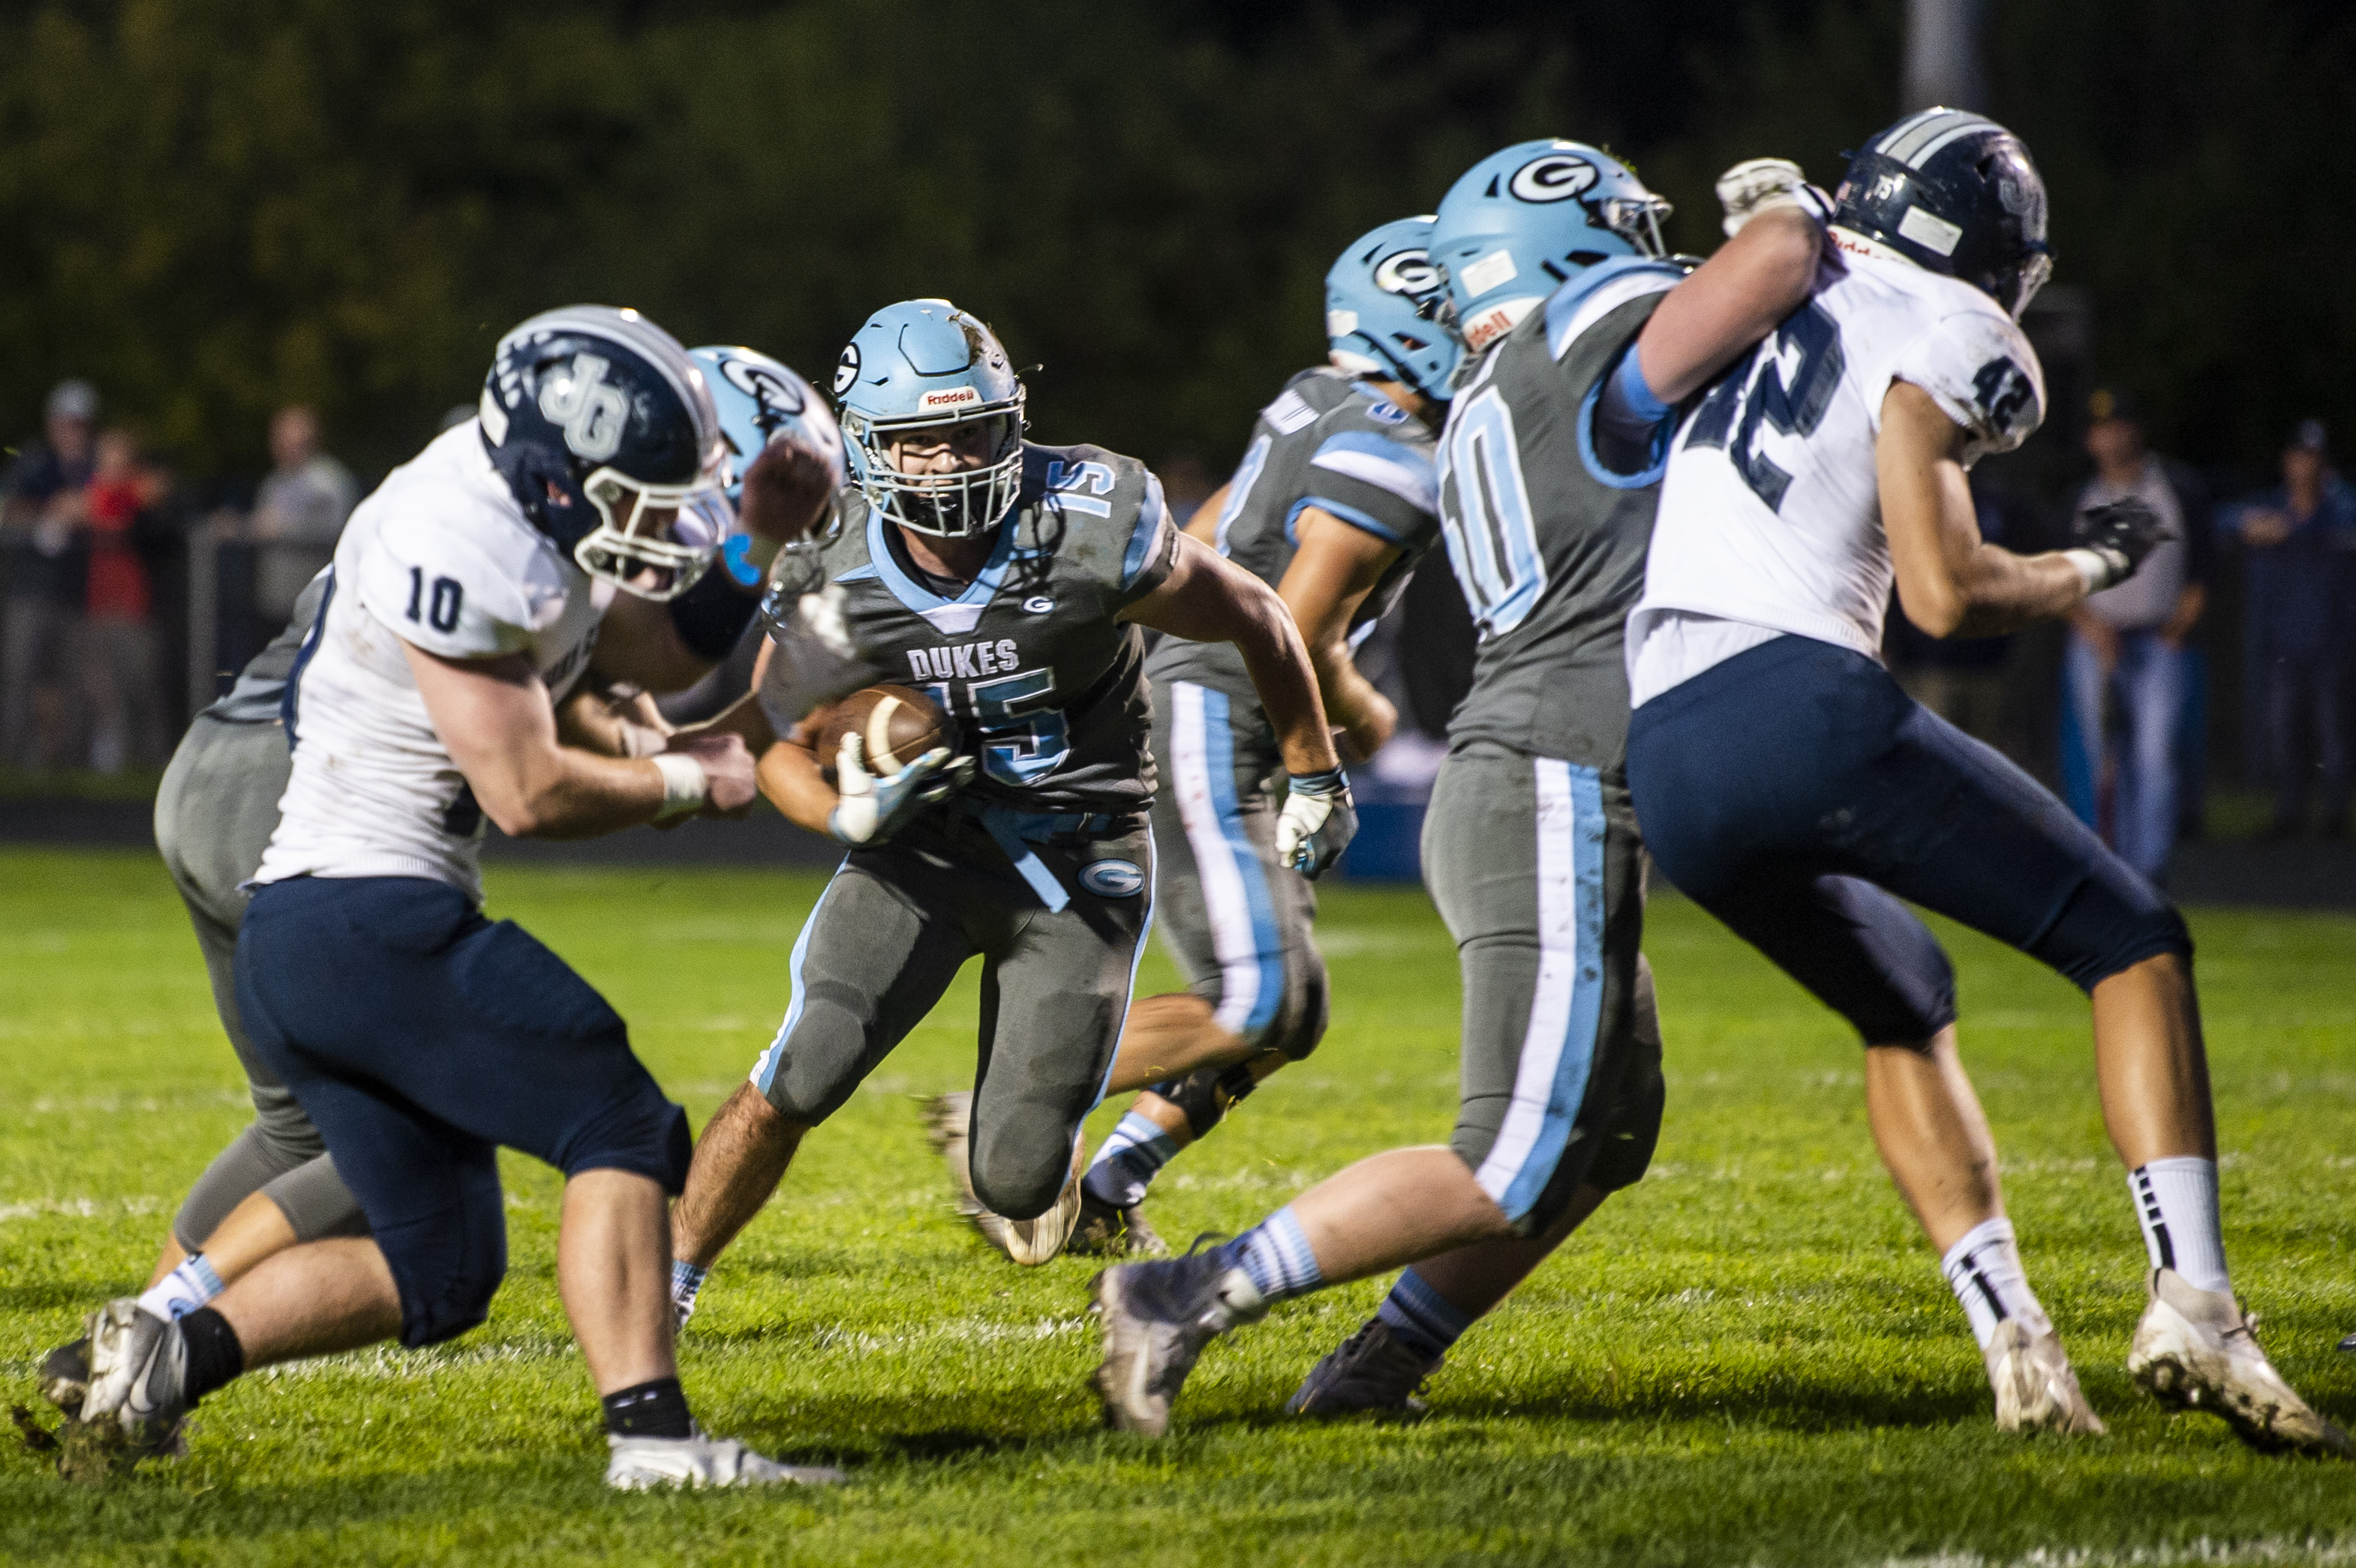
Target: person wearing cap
{"type": "Point", "coordinates": [42, 564]}
{"type": "Point", "coordinates": [2129, 643]}
{"type": "Point", "coordinates": [2300, 537]}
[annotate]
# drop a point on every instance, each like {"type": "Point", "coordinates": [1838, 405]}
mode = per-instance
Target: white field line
{"type": "Point", "coordinates": [80, 1207]}
{"type": "Point", "coordinates": [2264, 1550]}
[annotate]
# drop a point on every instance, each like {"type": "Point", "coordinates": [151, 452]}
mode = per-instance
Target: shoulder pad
{"type": "Point", "coordinates": [1598, 291]}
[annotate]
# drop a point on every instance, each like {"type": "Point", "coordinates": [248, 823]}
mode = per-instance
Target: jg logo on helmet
{"type": "Point", "coordinates": [592, 412]}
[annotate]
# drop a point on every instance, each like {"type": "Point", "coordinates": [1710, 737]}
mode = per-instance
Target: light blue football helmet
{"type": "Point", "coordinates": [1382, 304]}
{"type": "Point", "coordinates": [758, 400]}
{"type": "Point", "coordinates": [1520, 223]}
{"type": "Point", "coordinates": [925, 363]}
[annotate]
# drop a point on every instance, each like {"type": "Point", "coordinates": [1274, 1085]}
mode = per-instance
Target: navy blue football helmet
{"type": "Point", "coordinates": [1956, 193]}
{"type": "Point", "coordinates": [925, 365]}
{"type": "Point", "coordinates": [1382, 301]}
{"type": "Point", "coordinates": [588, 408]}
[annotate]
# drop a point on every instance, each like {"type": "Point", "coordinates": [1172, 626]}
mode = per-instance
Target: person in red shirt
{"type": "Point", "coordinates": [118, 645]}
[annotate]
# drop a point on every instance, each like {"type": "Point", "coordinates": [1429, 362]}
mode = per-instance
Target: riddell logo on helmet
{"type": "Point", "coordinates": [949, 398]}
{"type": "Point", "coordinates": [1488, 327]}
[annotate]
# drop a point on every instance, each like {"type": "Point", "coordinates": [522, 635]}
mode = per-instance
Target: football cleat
{"type": "Point", "coordinates": [1156, 1319]}
{"type": "Point", "coordinates": [1106, 1232]}
{"type": "Point", "coordinates": [1371, 1372]}
{"type": "Point", "coordinates": [138, 1377]}
{"type": "Point", "coordinates": [65, 1376]}
{"type": "Point", "coordinates": [947, 1123]}
{"type": "Point", "coordinates": [2195, 1350]}
{"type": "Point", "coordinates": [2035, 1389]}
{"type": "Point", "coordinates": [645, 1464]}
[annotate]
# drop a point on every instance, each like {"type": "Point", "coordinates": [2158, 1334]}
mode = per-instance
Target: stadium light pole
{"type": "Point", "coordinates": [1942, 55]}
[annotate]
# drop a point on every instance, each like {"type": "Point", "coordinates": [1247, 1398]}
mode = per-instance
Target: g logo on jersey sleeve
{"type": "Point", "coordinates": [1112, 879]}
{"type": "Point", "coordinates": [1557, 176]}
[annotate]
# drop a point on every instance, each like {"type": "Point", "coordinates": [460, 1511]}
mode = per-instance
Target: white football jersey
{"type": "Point", "coordinates": [1770, 519]}
{"type": "Point", "coordinates": [441, 557]}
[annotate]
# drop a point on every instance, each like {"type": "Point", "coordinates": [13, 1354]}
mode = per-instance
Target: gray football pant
{"type": "Point", "coordinates": [215, 812]}
{"type": "Point", "coordinates": [893, 929]}
{"type": "Point", "coordinates": [1239, 923]}
{"type": "Point", "coordinates": [1538, 868]}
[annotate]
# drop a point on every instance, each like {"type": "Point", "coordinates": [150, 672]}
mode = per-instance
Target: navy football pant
{"type": "Point", "coordinates": [1790, 790]}
{"type": "Point", "coordinates": [420, 1037]}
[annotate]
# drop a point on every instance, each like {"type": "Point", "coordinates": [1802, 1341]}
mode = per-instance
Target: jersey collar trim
{"type": "Point", "coordinates": [919, 598]}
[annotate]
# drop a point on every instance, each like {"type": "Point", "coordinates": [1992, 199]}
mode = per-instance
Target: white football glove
{"type": "Point", "coordinates": [872, 809]}
{"type": "Point", "coordinates": [1317, 822]}
{"type": "Point", "coordinates": [1756, 185]}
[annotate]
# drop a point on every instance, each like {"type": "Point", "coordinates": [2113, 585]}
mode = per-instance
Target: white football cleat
{"type": "Point", "coordinates": [2194, 1349]}
{"type": "Point", "coordinates": [948, 1118]}
{"type": "Point", "coordinates": [644, 1464]}
{"type": "Point", "coordinates": [2035, 1389]}
{"type": "Point", "coordinates": [138, 1376]}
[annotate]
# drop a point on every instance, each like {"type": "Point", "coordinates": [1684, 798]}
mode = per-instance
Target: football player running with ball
{"type": "Point", "coordinates": [1008, 581]}
{"type": "Point", "coordinates": [1790, 788]}
{"type": "Point", "coordinates": [1334, 503]}
{"type": "Point", "coordinates": [418, 1036]}
{"type": "Point", "coordinates": [1580, 336]}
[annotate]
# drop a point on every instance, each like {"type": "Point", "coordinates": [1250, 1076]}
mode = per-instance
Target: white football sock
{"type": "Point", "coordinates": [192, 1284]}
{"type": "Point", "coordinates": [1983, 1269]}
{"type": "Point", "coordinates": [2176, 1204]}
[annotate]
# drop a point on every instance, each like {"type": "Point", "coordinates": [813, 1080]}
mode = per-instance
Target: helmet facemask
{"type": "Point", "coordinates": [635, 545]}
{"type": "Point", "coordinates": [1637, 219]}
{"type": "Point", "coordinates": [964, 503]}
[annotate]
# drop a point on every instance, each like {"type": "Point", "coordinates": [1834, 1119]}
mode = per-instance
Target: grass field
{"type": "Point", "coordinates": [1749, 1359]}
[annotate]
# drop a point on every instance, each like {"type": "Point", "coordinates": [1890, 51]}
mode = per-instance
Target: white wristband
{"type": "Point", "coordinates": [684, 783]}
{"type": "Point", "coordinates": [2092, 565]}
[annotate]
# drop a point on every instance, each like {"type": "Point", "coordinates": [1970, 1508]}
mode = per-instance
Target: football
{"type": "Point", "coordinates": [898, 723]}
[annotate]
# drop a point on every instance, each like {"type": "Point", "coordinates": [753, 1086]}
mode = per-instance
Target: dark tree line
{"type": "Point", "coordinates": [211, 206]}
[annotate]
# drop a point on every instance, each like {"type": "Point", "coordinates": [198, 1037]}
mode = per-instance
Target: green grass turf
{"type": "Point", "coordinates": [1749, 1358]}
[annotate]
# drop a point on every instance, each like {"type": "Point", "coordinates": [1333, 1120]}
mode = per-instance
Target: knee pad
{"type": "Point", "coordinates": [2112, 924]}
{"type": "Point", "coordinates": [643, 1133]}
{"type": "Point", "coordinates": [1019, 1187]}
{"type": "Point", "coordinates": [247, 1166]}
{"type": "Point", "coordinates": [316, 1201]}
{"type": "Point", "coordinates": [1300, 1022]}
{"type": "Point", "coordinates": [448, 1266]}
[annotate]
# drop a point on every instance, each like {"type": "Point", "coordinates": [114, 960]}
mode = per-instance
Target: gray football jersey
{"type": "Point", "coordinates": [1332, 441]}
{"type": "Point", "coordinates": [262, 684]}
{"type": "Point", "coordinates": [1047, 688]}
{"type": "Point", "coordinates": [1548, 543]}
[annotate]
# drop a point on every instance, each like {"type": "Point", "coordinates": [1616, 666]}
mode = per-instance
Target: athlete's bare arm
{"type": "Point", "coordinates": [791, 781]}
{"type": "Point", "coordinates": [1732, 301]}
{"type": "Point", "coordinates": [1333, 570]}
{"type": "Point", "coordinates": [1204, 524]}
{"type": "Point", "coordinates": [1951, 582]}
{"type": "Point", "coordinates": [1208, 599]}
{"type": "Point", "coordinates": [611, 719]}
{"type": "Point", "coordinates": [495, 716]}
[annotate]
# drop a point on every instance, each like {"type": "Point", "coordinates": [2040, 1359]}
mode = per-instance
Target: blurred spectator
{"type": "Point", "coordinates": [2128, 644]}
{"type": "Point", "coordinates": [1962, 679]}
{"type": "Point", "coordinates": [117, 647]}
{"type": "Point", "coordinates": [298, 514]}
{"type": "Point", "coordinates": [1186, 483]}
{"type": "Point", "coordinates": [43, 564]}
{"type": "Point", "coordinates": [2301, 541]}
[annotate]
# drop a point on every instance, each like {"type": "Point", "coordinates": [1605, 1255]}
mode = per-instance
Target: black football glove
{"type": "Point", "coordinates": [2120, 534]}
{"type": "Point", "coordinates": [1317, 822]}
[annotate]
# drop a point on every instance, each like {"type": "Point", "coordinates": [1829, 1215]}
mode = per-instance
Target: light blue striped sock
{"type": "Point", "coordinates": [1421, 1318]}
{"type": "Point", "coordinates": [686, 1279]}
{"type": "Point", "coordinates": [1124, 1168]}
{"type": "Point", "coordinates": [1277, 1255]}
{"type": "Point", "coordinates": [190, 1285]}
